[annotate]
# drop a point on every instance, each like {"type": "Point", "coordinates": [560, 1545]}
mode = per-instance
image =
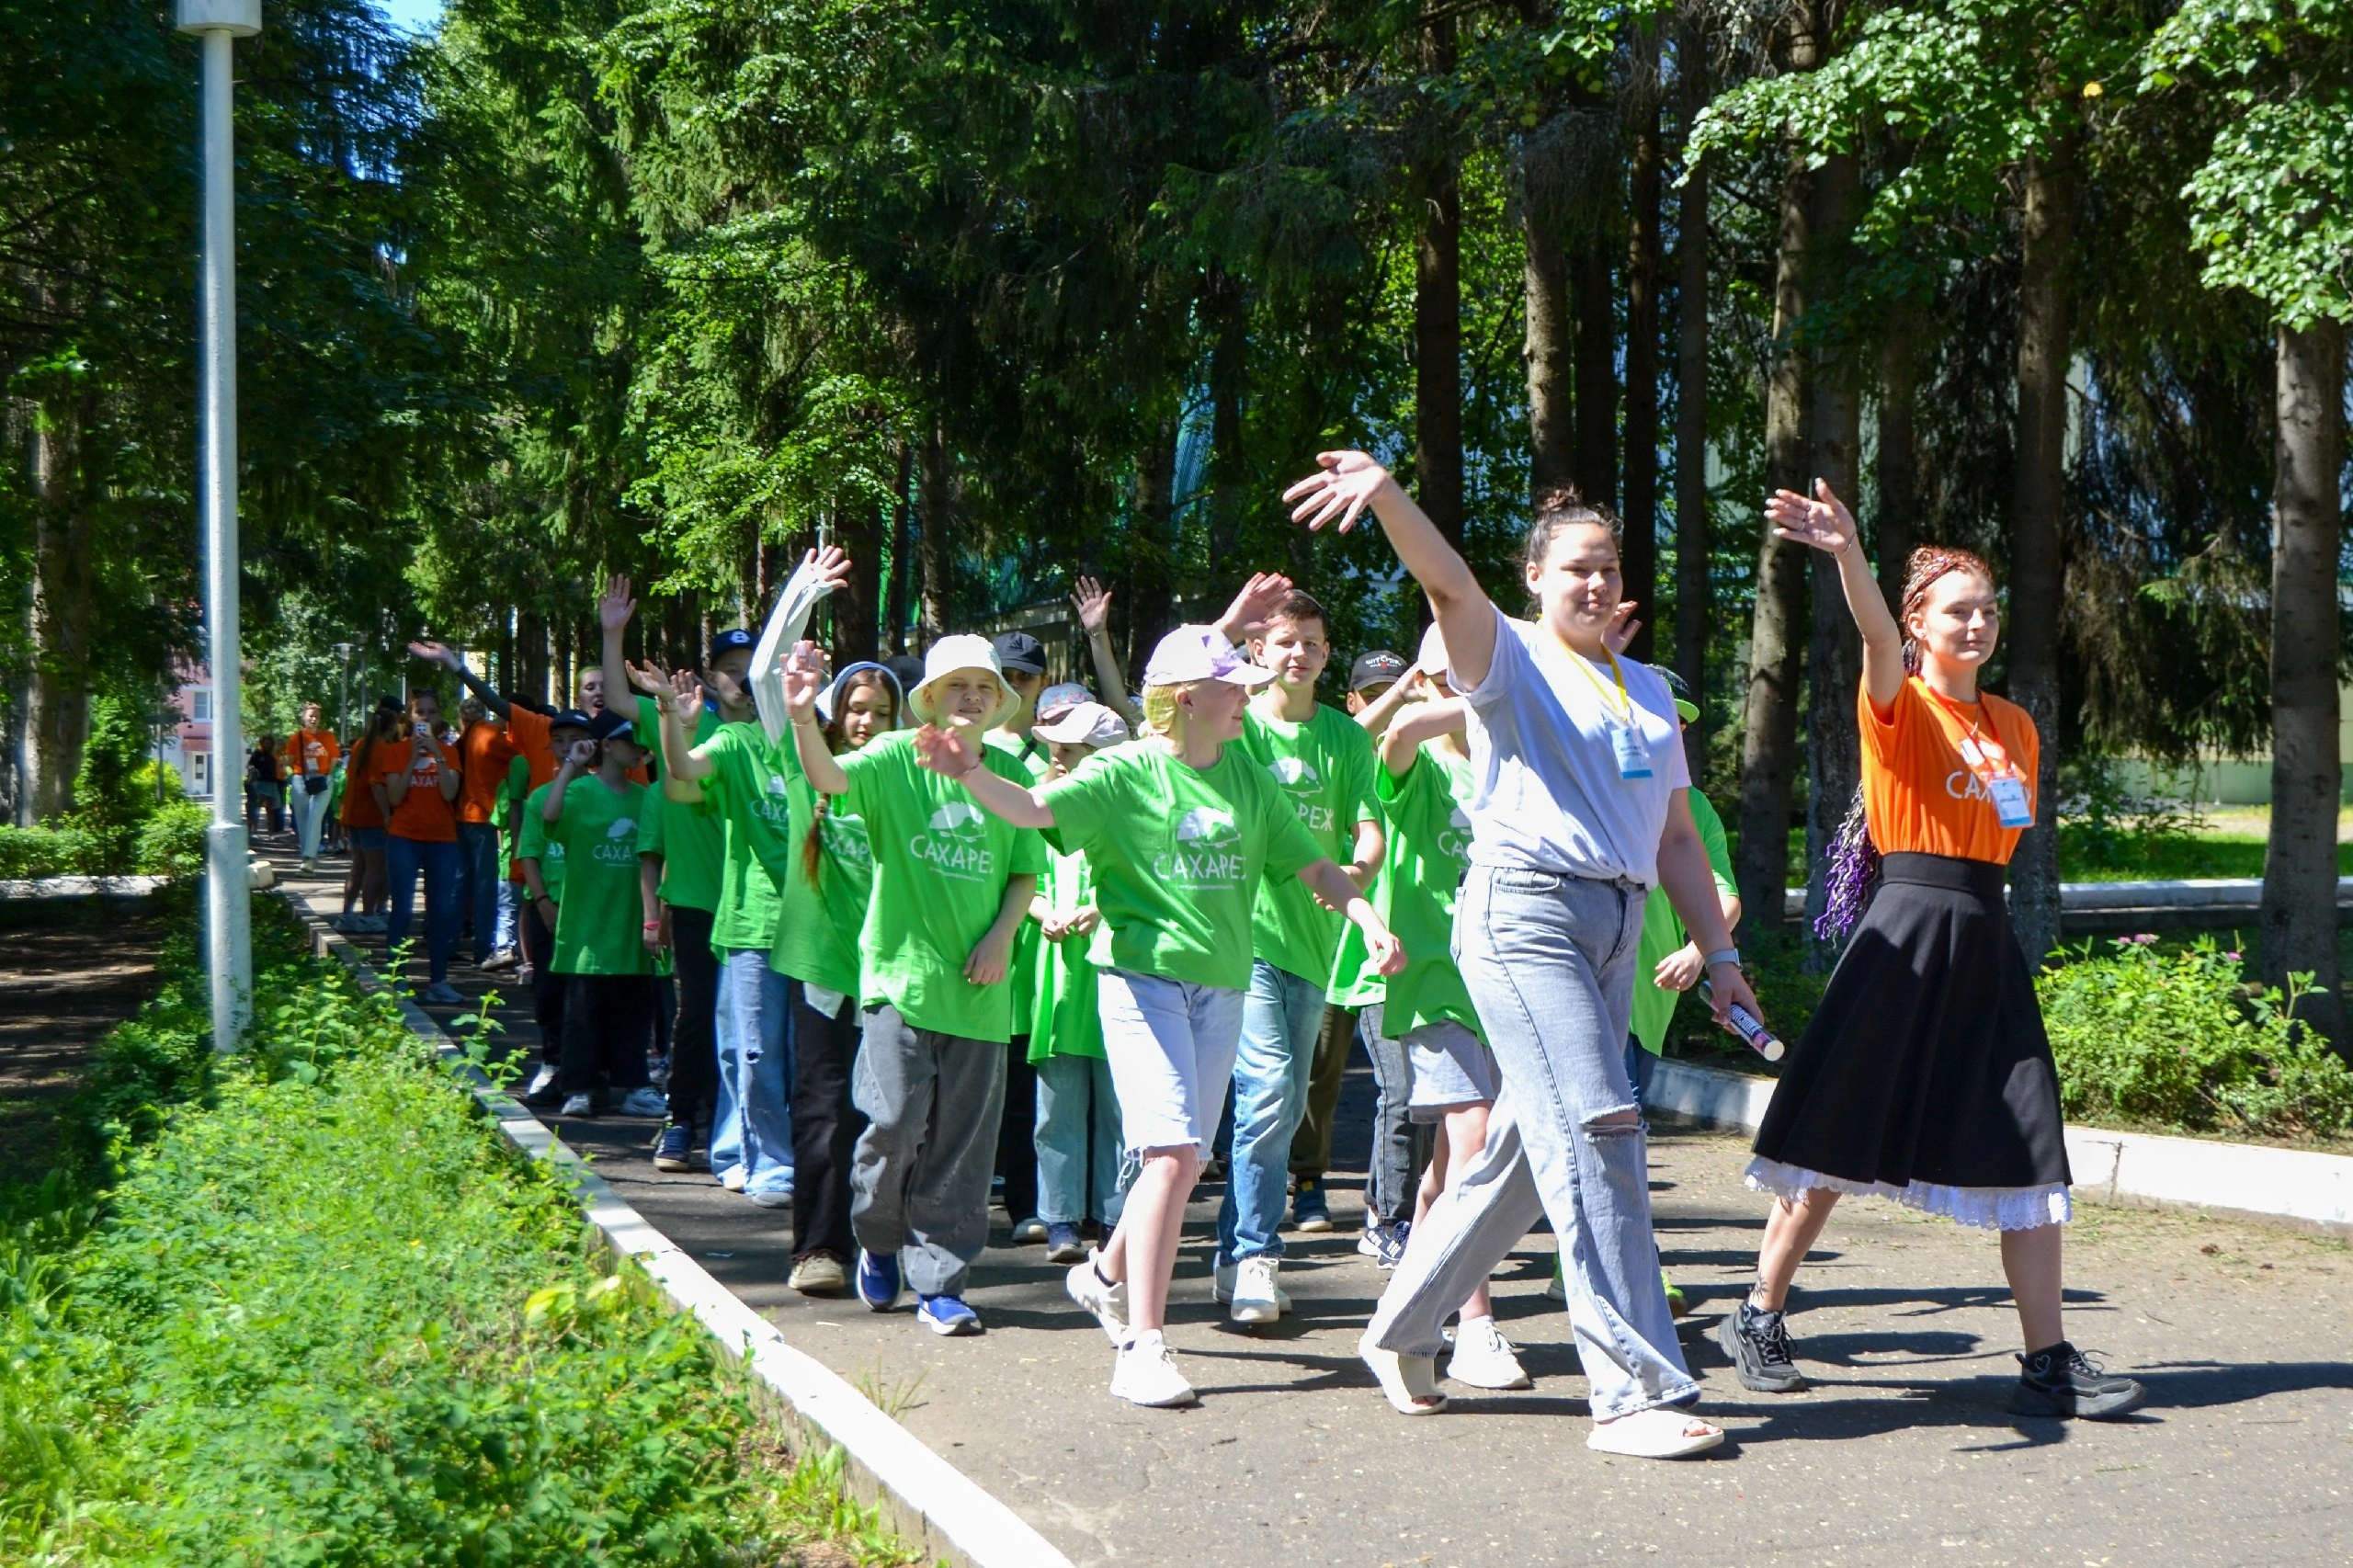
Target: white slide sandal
{"type": "Point", "coordinates": [1409, 1382]}
{"type": "Point", "coordinates": [1655, 1433]}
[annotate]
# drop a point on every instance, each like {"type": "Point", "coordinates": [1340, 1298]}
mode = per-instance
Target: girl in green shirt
{"type": "Point", "coordinates": [1179, 831]}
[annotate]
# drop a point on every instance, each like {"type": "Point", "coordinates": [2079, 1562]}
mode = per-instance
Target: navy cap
{"type": "Point", "coordinates": [1379, 667]}
{"type": "Point", "coordinates": [608, 724]}
{"type": "Point", "coordinates": [906, 669]}
{"type": "Point", "coordinates": [729, 641]}
{"type": "Point", "coordinates": [1020, 650]}
{"type": "Point", "coordinates": [572, 719]}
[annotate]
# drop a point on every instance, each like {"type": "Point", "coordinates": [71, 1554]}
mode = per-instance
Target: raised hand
{"type": "Point", "coordinates": [581, 755]}
{"type": "Point", "coordinates": [1822, 523]}
{"type": "Point", "coordinates": [1619, 635]}
{"type": "Point", "coordinates": [436, 653]}
{"type": "Point", "coordinates": [683, 698]}
{"type": "Point", "coordinates": [614, 609]}
{"type": "Point", "coordinates": [945, 752]}
{"type": "Point", "coordinates": [805, 677]}
{"type": "Point", "coordinates": [1341, 488]}
{"type": "Point", "coordinates": [1248, 612]}
{"type": "Point", "coordinates": [1092, 600]}
{"type": "Point", "coordinates": [648, 677]}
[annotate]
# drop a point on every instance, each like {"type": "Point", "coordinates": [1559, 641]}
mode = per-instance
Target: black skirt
{"type": "Point", "coordinates": [1925, 1074]}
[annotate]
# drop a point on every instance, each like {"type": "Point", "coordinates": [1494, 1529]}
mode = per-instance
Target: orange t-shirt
{"type": "Point", "coordinates": [528, 734]}
{"type": "Point", "coordinates": [1920, 795]}
{"type": "Point", "coordinates": [485, 753]}
{"type": "Point", "coordinates": [422, 813]}
{"type": "Point", "coordinates": [311, 751]}
{"type": "Point", "coordinates": [359, 807]}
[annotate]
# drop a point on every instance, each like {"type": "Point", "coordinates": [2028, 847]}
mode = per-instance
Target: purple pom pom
{"type": "Point", "coordinates": [1854, 872]}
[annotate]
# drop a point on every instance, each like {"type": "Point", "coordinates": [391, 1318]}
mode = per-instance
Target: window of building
{"type": "Point", "coordinates": [199, 705]}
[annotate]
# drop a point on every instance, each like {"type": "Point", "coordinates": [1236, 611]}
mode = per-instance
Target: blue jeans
{"type": "Point", "coordinates": [1550, 963]}
{"type": "Point", "coordinates": [1281, 1017]}
{"type": "Point", "coordinates": [479, 871]}
{"type": "Point", "coordinates": [1640, 1065]}
{"type": "Point", "coordinates": [1078, 1141]}
{"type": "Point", "coordinates": [510, 899]}
{"type": "Point", "coordinates": [753, 1125]}
{"type": "Point", "coordinates": [403, 857]}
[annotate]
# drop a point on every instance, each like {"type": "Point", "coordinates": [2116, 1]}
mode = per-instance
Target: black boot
{"type": "Point", "coordinates": [2060, 1380]}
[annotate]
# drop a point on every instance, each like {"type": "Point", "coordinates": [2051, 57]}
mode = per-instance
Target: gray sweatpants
{"type": "Point", "coordinates": [919, 1181]}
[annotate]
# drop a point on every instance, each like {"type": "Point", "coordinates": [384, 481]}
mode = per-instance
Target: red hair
{"type": "Point", "coordinates": [1929, 565]}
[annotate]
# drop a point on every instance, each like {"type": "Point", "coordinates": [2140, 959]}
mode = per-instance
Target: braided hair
{"type": "Point", "coordinates": [1853, 876]}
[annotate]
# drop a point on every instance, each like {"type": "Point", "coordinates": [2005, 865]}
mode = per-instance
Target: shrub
{"type": "Point", "coordinates": [171, 841]}
{"type": "Point", "coordinates": [52, 849]}
{"type": "Point", "coordinates": [2179, 1038]}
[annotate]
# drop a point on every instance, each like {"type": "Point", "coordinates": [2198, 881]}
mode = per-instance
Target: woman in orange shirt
{"type": "Point", "coordinates": [363, 823]}
{"type": "Point", "coordinates": [308, 757]}
{"type": "Point", "coordinates": [1925, 1075]}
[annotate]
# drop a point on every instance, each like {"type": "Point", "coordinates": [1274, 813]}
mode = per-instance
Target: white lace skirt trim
{"type": "Point", "coordinates": [1988, 1208]}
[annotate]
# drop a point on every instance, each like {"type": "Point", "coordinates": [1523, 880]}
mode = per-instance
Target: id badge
{"type": "Point", "coordinates": [1633, 758]}
{"type": "Point", "coordinates": [2008, 795]}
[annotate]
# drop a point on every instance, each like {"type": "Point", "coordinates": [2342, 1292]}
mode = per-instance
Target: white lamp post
{"type": "Point", "coordinates": [228, 918]}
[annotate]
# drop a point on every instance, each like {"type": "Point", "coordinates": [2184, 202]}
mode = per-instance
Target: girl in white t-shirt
{"type": "Point", "coordinates": [1578, 810]}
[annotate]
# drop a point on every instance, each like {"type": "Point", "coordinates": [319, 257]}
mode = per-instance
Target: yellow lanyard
{"type": "Point", "coordinates": [1624, 709]}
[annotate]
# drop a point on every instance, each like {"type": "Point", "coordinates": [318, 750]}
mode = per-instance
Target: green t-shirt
{"type": "Point", "coordinates": [693, 838]}
{"type": "Point", "coordinates": [749, 794]}
{"type": "Point", "coordinates": [1177, 855]}
{"type": "Point", "coordinates": [1034, 758]}
{"type": "Point", "coordinates": [817, 929]}
{"type": "Point", "coordinates": [1067, 1023]}
{"type": "Point", "coordinates": [940, 867]}
{"type": "Point", "coordinates": [1354, 983]}
{"type": "Point", "coordinates": [1663, 931]}
{"type": "Point", "coordinates": [511, 796]}
{"type": "Point", "coordinates": [1324, 767]}
{"type": "Point", "coordinates": [532, 843]}
{"type": "Point", "coordinates": [1429, 850]}
{"type": "Point", "coordinates": [599, 919]}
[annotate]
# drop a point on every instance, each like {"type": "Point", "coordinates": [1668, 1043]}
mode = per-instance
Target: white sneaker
{"type": "Point", "coordinates": [1252, 1289]}
{"type": "Point", "coordinates": [645, 1102]}
{"type": "Point", "coordinates": [1146, 1374]}
{"type": "Point", "coordinates": [1222, 1279]}
{"type": "Point", "coordinates": [577, 1105]}
{"type": "Point", "coordinates": [771, 1196]}
{"type": "Point", "coordinates": [734, 1177]}
{"type": "Point", "coordinates": [542, 1080]}
{"type": "Point", "coordinates": [1108, 1301]}
{"type": "Point", "coordinates": [1483, 1359]}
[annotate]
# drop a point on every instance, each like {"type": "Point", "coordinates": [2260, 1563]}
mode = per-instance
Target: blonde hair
{"type": "Point", "coordinates": [1160, 707]}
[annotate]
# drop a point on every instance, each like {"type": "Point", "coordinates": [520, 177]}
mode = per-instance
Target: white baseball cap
{"type": "Point", "coordinates": [1200, 652]}
{"type": "Point", "coordinates": [962, 652]}
{"type": "Point", "coordinates": [1089, 723]}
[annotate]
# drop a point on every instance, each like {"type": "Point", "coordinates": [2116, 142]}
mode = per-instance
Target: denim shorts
{"type": "Point", "coordinates": [1170, 1047]}
{"type": "Point", "coordinates": [366, 837]}
{"type": "Point", "coordinates": [1452, 1068]}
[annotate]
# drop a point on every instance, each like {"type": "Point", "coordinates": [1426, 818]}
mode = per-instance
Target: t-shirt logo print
{"type": "Point", "coordinates": [957, 843]}
{"type": "Point", "coordinates": [1454, 838]}
{"type": "Point", "coordinates": [1297, 776]}
{"type": "Point", "coordinates": [1208, 852]}
{"type": "Point", "coordinates": [618, 846]}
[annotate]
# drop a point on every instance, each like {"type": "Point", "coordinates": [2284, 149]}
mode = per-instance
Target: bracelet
{"type": "Point", "coordinates": [1723, 955]}
{"type": "Point", "coordinates": [651, 926]}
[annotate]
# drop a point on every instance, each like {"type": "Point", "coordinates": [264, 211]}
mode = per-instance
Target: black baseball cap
{"type": "Point", "coordinates": [729, 641]}
{"type": "Point", "coordinates": [1020, 650]}
{"type": "Point", "coordinates": [1377, 667]}
{"type": "Point", "coordinates": [906, 669]}
{"type": "Point", "coordinates": [573, 718]}
{"type": "Point", "coordinates": [609, 723]}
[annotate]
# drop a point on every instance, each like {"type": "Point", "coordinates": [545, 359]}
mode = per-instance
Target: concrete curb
{"type": "Point", "coordinates": [2250, 1181]}
{"type": "Point", "coordinates": [930, 1501]}
{"type": "Point", "coordinates": [79, 887]}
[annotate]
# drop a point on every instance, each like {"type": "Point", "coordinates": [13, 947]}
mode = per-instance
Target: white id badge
{"type": "Point", "coordinates": [1633, 758]}
{"type": "Point", "coordinates": [2008, 795]}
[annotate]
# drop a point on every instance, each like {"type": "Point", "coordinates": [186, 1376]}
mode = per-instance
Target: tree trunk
{"type": "Point", "coordinates": [2299, 917]}
{"type": "Point", "coordinates": [1229, 380]}
{"type": "Point", "coordinates": [857, 605]}
{"type": "Point", "coordinates": [1769, 717]}
{"type": "Point", "coordinates": [1152, 553]}
{"type": "Point", "coordinates": [57, 719]}
{"type": "Point", "coordinates": [1694, 597]}
{"type": "Point", "coordinates": [1549, 351]}
{"type": "Point", "coordinates": [1641, 556]}
{"type": "Point", "coordinates": [1899, 454]}
{"type": "Point", "coordinates": [1835, 651]}
{"type": "Point", "coordinates": [903, 553]}
{"type": "Point", "coordinates": [531, 661]}
{"type": "Point", "coordinates": [1593, 289]}
{"type": "Point", "coordinates": [938, 497]}
{"type": "Point", "coordinates": [2036, 499]}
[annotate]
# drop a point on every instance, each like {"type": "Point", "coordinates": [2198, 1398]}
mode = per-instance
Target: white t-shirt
{"type": "Point", "coordinates": [1548, 795]}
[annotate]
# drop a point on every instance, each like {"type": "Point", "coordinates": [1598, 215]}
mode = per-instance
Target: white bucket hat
{"type": "Point", "coordinates": [962, 652]}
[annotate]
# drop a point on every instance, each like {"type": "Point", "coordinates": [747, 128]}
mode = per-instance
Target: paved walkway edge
{"type": "Point", "coordinates": [79, 887]}
{"type": "Point", "coordinates": [2291, 1186]}
{"type": "Point", "coordinates": [930, 1501]}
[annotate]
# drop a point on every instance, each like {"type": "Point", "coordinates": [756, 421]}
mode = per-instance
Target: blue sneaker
{"type": "Point", "coordinates": [671, 1150]}
{"type": "Point", "coordinates": [947, 1316]}
{"type": "Point", "coordinates": [878, 1280]}
{"type": "Point", "coordinates": [1063, 1243]}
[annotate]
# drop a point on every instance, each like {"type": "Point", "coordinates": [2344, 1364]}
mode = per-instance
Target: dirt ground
{"type": "Point", "coordinates": [72, 969]}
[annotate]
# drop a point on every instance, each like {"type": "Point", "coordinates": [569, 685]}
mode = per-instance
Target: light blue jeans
{"type": "Point", "coordinates": [1281, 1016]}
{"type": "Point", "coordinates": [1550, 963]}
{"type": "Point", "coordinates": [752, 1126]}
{"type": "Point", "coordinates": [479, 870]}
{"type": "Point", "coordinates": [503, 939]}
{"type": "Point", "coordinates": [1078, 1142]}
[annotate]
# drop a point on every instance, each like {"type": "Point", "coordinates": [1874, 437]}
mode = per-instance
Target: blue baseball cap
{"type": "Point", "coordinates": [729, 641]}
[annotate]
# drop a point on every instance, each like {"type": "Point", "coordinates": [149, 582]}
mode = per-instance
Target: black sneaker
{"type": "Point", "coordinates": [1758, 1344]}
{"type": "Point", "coordinates": [2062, 1380]}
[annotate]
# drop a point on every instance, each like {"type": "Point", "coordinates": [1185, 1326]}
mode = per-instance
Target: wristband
{"type": "Point", "coordinates": [1723, 955]}
{"type": "Point", "coordinates": [651, 926]}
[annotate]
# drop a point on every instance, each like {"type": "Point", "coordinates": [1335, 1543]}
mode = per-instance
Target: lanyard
{"type": "Point", "coordinates": [1623, 710]}
{"type": "Point", "coordinates": [1988, 759]}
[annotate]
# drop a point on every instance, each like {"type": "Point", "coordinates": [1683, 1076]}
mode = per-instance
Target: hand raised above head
{"type": "Point", "coordinates": [1341, 488]}
{"type": "Point", "coordinates": [648, 677]}
{"type": "Point", "coordinates": [1822, 523]}
{"type": "Point", "coordinates": [435, 654]}
{"type": "Point", "coordinates": [614, 609]}
{"type": "Point", "coordinates": [805, 677]}
{"type": "Point", "coordinates": [685, 695]}
{"type": "Point", "coordinates": [1247, 614]}
{"type": "Point", "coordinates": [1092, 600]}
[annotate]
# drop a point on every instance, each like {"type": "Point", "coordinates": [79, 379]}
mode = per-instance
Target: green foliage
{"type": "Point", "coordinates": [2178, 1037]}
{"type": "Point", "coordinates": [171, 841]}
{"type": "Point", "coordinates": [114, 792]}
{"type": "Point", "coordinates": [2104, 826]}
{"type": "Point", "coordinates": [61, 850]}
{"type": "Point", "coordinates": [324, 1316]}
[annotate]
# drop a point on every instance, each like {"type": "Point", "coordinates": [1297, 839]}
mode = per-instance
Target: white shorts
{"type": "Point", "coordinates": [1170, 1044]}
{"type": "Point", "coordinates": [1452, 1068]}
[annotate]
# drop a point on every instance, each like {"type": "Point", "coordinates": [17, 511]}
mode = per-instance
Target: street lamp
{"type": "Point", "coordinates": [342, 689]}
{"type": "Point", "coordinates": [228, 913]}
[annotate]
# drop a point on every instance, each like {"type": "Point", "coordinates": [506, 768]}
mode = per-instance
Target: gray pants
{"type": "Point", "coordinates": [919, 1181]}
{"type": "Point", "coordinates": [1389, 1195]}
{"type": "Point", "coordinates": [1550, 963]}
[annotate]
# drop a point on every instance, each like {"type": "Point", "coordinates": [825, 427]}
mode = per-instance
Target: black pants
{"type": "Point", "coordinates": [608, 1023]}
{"type": "Point", "coordinates": [694, 1034]}
{"type": "Point", "coordinates": [1017, 1140]}
{"type": "Point", "coordinates": [825, 1125]}
{"type": "Point", "coordinates": [547, 986]}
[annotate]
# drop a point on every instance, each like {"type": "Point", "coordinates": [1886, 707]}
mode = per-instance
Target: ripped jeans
{"type": "Point", "coordinates": [1550, 963]}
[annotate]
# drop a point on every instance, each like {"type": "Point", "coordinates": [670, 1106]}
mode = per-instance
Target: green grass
{"type": "Point", "coordinates": [2171, 859]}
{"type": "Point", "coordinates": [320, 1314]}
